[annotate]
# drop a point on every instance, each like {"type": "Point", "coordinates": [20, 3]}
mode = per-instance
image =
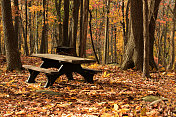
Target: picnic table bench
{"type": "Point", "coordinates": [65, 65]}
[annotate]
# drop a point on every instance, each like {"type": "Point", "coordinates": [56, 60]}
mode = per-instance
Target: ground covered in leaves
{"type": "Point", "coordinates": [115, 93]}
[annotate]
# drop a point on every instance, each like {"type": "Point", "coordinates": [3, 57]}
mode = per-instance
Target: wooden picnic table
{"type": "Point", "coordinates": [65, 64]}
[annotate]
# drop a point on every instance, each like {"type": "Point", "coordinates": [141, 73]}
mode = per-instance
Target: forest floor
{"type": "Point", "coordinates": [115, 93]}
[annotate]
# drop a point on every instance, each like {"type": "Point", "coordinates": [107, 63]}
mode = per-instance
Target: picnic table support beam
{"type": "Point", "coordinates": [33, 75]}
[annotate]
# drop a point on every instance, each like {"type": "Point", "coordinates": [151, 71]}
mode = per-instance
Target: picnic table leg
{"type": "Point", "coordinates": [88, 76]}
{"type": "Point", "coordinates": [33, 75]}
{"type": "Point", "coordinates": [52, 77]}
{"type": "Point", "coordinates": [69, 76]}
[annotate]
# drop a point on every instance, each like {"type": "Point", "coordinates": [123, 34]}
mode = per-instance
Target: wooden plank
{"type": "Point", "coordinates": [64, 58]}
{"type": "Point", "coordinates": [44, 70]}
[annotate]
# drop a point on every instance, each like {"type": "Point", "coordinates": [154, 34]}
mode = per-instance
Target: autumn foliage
{"type": "Point", "coordinates": [114, 93]}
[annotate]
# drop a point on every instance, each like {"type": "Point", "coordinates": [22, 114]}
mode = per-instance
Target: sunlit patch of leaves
{"type": "Point", "coordinates": [114, 93]}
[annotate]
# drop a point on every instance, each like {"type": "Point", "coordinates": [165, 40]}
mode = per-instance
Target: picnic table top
{"type": "Point", "coordinates": [64, 58]}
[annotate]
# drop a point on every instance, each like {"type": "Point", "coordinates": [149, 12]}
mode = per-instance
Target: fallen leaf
{"type": "Point", "coordinates": [21, 112]}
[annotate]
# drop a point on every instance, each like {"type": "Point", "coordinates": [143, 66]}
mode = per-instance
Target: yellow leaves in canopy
{"type": "Point", "coordinates": [35, 8]}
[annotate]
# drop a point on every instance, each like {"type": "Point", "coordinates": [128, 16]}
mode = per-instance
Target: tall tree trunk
{"type": "Point", "coordinates": [146, 39]}
{"type": "Point", "coordinates": [134, 52]}
{"type": "Point", "coordinates": [172, 42]}
{"type": "Point", "coordinates": [90, 29]}
{"type": "Point", "coordinates": [30, 31]}
{"type": "Point", "coordinates": [66, 41]}
{"type": "Point", "coordinates": [106, 40]}
{"type": "Point", "coordinates": [12, 53]}
{"type": "Point", "coordinates": [47, 26]}
{"type": "Point", "coordinates": [76, 4]}
{"type": "Point", "coordinates": [81, 29]}
{"type": "Point", "coordinates": [125, 26]}
{"type": "Point", "coordinates": [133, 56]}
{"type": "Point", "coordinates": [44, 28]}
{"type": "Point", "coordinates": [26, 30]}
{"type": "Point", "coordinates": [16, 18]}
{"type": "Point", "coordinates": [85, 25]}
{"type": "Point", "coordinates": [58, 9]}
{"type": "Point", "coordinates": [0, 40]}
{"type": "Point", "coordinates": [152, 25]}
{"type": "Point", "coordinates": [36, 33]}
{"type": "Point", "coordinates": [115, 43]}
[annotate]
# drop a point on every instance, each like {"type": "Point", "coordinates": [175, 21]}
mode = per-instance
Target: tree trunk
{"type": "Point", "coordinates": [66, 41]}
{"type": "Point", "coordinates": [26, 30]}
{"type": "Point", "coordinates": [93, 47]}
{"type": "Point", "coordinates": [152, 25]}
{"type": "Point", "coordinates": [134, 52]}
{"type": "Point", "coordinates": [81, 29]}
{"type": "Point", "coordinates": [75, 24]}
{"type": "Point", "coordinates": [58, 9]}
{"type": "Point", "coordinates": [106, 40]}
{"type": "Point", "coordinates": [146, 39]}
{"type": "Point", "coordinates": [125, 26]}
{"type": "Point", "coordinates": [0, 40]}
{"type": "Point", "coordinates": [85, 25]}
{"type": "Point", "coordinates": [133, 56]}
{"type": "Point", "coordinates": [16, 18]}
{"type": "Point", "coordinates": [30, 31]}
{"type": "Point", "coordinates": [36, 33]}
{"type": "Point", "coordinates": [115, 43]}
{"type": "Point", "coordinates": [12, 53]}
{"type": "Point", "coordinates": [44, 28]}
{"type": "Point", "coordinates": [172, 42]}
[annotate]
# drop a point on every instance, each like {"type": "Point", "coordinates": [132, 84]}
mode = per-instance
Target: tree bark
{"type": "Point", "coordinates": [81, 29]}
{"type": "Point", "coordinates": [76, 4]}
{"type": "Point", "coordinates": [26, 30]}
{"type": "Point", "coordinates": [146, 39]}
{"type": "Point", "coordinates": [85, 25]}
{"type": "Point", "coordinates": [106, 40]}
{"type": "Point", "coordinates": [133, 56]}
{"type": "Point", "coordinates": [66, 41]}
{"type": "Point", "coordinates": [30, 31]}
{"type": "Point", "coordinates": [0, 40]}
{"type": "Point", "coordinates": [58, 9]}
{"type": "Point", "coordinates": [172, 42]}
{"type": "Point", "coordinates": [93, 47]}
{"type": "Point", "coordinates": [16, 18]}
{"type": "Point", "coordinates": [44, 28]}
{"type": "Point", "coordinates": [12, 53]}
{"type": "Point", "coordinates": [152, 25]}
{"type": "Point", "coordinates": [134, 52]}
{"type": "Point", "coordinates": [36, 32]}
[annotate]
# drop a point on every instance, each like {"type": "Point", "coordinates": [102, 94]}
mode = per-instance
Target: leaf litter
{"type": "Point", "coordinates": [115, 93]}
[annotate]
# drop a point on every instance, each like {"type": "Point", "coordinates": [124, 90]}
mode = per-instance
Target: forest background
{"type": "Point", "coordinates": [40, 27]}
{"type": "Point", "coordinates": [119, 34]}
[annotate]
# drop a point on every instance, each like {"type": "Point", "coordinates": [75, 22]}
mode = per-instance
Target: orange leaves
{"type": "Point", "coordinates": [115, 93]}
{"type": "Point", "coordinates": [36, 8]}
{"type": "Point", "coordinates": [21, 112]}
